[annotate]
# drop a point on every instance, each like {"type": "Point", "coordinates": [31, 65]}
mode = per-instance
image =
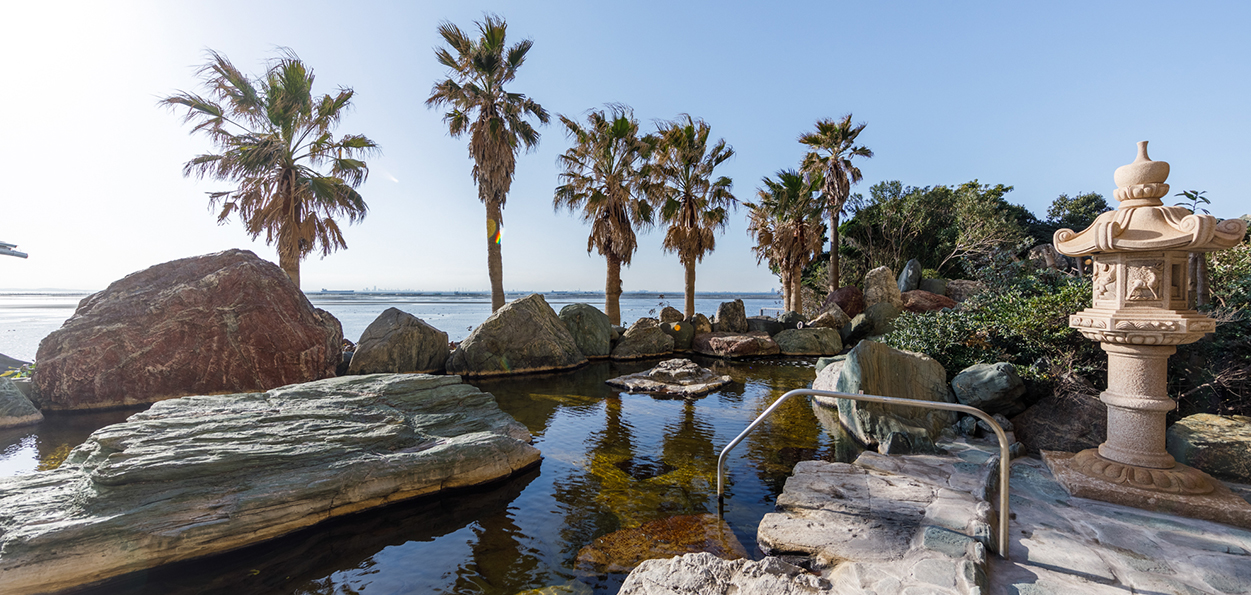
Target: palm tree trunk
{"type": "Point", "coordinates": [290, 265]}
{"type": "Point", "coordinates": [612, 290]}
{"type": "Point", "coordinates": [495, 262]}
{"type": "Point", "coordinates": [833, 252]}
{"type": "Point", "coordinates": [786, 289]}
{"type": "Point", "coordinates": [690, 287]}
{"type": "Point", "coordinates": [797, 294]}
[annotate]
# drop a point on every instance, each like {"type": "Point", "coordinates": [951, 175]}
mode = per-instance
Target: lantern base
{"type": "Point", "coordinates": [1178, 479]}
{"type": "Point", "coordinates": [1110, 484]}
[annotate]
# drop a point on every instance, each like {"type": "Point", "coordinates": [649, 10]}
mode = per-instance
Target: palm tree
{"type": "Point", "coordinates": [787, 227]}
{"type": "Point", "coordinates": [605, 175]}
{"type": "Point", "coordinates": [495, 119]}
{"type": "Point", "coordinates": [272, 137]}
{"type": "Point", "coordinates": [832, 151]}
{"type": "Point", "coordinates": [692, 203]}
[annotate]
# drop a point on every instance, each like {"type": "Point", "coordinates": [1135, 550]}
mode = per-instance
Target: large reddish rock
{"type": "Point", "coordinates": [849, 298]}
{"type": "Point", "coordinates": [919, 300]}
{"type": "Point", "coordinates": [735, 345]}
{"type": "Point", "coordinates": [220, 323]}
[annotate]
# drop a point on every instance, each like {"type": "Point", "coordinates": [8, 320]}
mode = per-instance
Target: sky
{"type": "Point", "coordinates": [1048, 97]}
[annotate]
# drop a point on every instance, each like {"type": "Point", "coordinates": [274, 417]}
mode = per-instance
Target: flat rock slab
{"type": "Point", "coordinates": [680, 377]}
{"type": "Point", "coordinates": [1216, 444]}
{"type": "Point", "coordinates": [885, 524]}
{"type": "Point", "coordinates": [622, 551]}
{"type": "Point", "coordinates": [706, 574]}
{"type": "Point", "coordinates": [196, 476]}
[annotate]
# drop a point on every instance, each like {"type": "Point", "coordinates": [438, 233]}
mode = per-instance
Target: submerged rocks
{"type": "Point", "coordinates": [993, 388]}
{"type": "Point", "coordinates": [225, 322]}
{"type": "Point", "coordinates": [623, 550]}
{"type": "Point", "coordinates": [1215, 444]}
{"type": "Point", "coordinates": [731, 345]}
{"type": "Point", "coordinates": [681, 377]}
{"type": "Point", "coordinates": [201, 475]}
{"type": "Point", "coordinates": [731, 317]}
{"type": "Point", "coordinates": [15, 409]}
{"type": "Point", "coordinates": [880, 285]}
{"type": "Point", "coordinates": [591, 329]}
{"type": "Point", "coordinates": [397, 341]}
{"type": "Point", "coordinates": [809, 341]}
{"type": "Point", "coordinates": [643, 339]}
{"type": "Point", "coordinates": [524, 335]}
{"type": "Point", "coordinates": [877, 369]}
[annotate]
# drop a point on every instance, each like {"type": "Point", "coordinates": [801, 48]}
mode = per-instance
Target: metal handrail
{"type": "Point", "coordinates": [1004, 454]}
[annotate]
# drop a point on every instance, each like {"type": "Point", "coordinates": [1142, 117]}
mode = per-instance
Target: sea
{"type": "Point", "coordinates": [26, 317]}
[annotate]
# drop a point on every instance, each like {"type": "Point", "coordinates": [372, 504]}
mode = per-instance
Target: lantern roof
{"type": "Point", "coordinates": [1142, 223]}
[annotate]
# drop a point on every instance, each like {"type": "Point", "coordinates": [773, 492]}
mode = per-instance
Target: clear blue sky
{"type": "Point", "coordinates": [1047, 97]}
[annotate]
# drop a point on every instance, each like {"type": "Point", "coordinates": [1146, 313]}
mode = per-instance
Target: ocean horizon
{"type": "Point", "coordinates": [27, 316]}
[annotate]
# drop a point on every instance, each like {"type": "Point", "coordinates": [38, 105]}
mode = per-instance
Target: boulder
{"type": "Point", "coordinates": [910, 277]}
{"type": "Point", "coordinates": [993, 388]}
{"type": "Point", "coordinates": [671, 314]}
{"type": "Point", "coordinates": [700, 323]}
{"type": "Point", "coordinates": [623, 550]}
{"type": "Point", "coordinates": [224, 322]}
{"type": "Point", "coordinates": [643, 339]}
{"type": "Point", "coordinates": [882, 315]}
{"type": "Point", "coordinates": [850, 299]}
{"type": "Point", "coordinates": [880, 286]}
{"type": "Point", "coordinates": [524, 335]}
{"type": "Point", "coordinates": [1219, 445]}
{"type": "Point", "coordinates": [731, 345]}
{"type": "Point", "coordinates": [592, 331]}
{"type": "Point", "coordinates": [963, 289]}
{"type": "Point", "coordinates": [809, 341]}
{"type": "Point", "coordinates": [15, 409]}
{"type": "Point", "coordinates": [920, 300]}
{"type": "Point", "coordinates": [681, 377]}
{"type": "Point", "coordinates": [763, 324]}
{"type": "Point", "coordinates": [197, 476]}
{"type": "Point", "coordinates": [878, 369]}
{"type": "Point", "coordinates": [791, 319]}
{"type": "Point", "coordinates": [706, 574]}
{"type": "Point", "coordinates": [1071, 419]}
{"type": "Point", "coordinates": [682, 332]}
{"type": "Point", "coordinates": [856, 329]}
{"type": "Point", "coordinates": [731, 317]}
{"type": "Point", "coordinates": [825, 362]}
{"type": "Point", "coordinates": [397, 341]}
{"type": "Point", "coordinates": [938, 286]}
{"type": "Point", "coordinates": [833, 317]}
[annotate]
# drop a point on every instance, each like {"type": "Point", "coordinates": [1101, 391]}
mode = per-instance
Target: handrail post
{"type": "Point", "coordinates": [1005, 455]}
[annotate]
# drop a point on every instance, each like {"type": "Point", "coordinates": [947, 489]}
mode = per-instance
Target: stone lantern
{"type": "Point", "coordinates": [1140, 314]}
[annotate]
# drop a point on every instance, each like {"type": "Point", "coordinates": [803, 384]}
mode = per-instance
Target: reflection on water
{"type": "Point", "coordinates": [611, 460]}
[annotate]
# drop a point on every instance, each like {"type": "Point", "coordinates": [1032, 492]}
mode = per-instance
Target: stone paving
{"type": "Point", "coordinates": [922, 524]}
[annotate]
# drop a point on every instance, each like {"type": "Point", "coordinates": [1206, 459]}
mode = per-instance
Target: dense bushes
{"type": "Point", "coordinates": [1022, 318]}
{"type": "Point", "coordinates": [1214, 375]}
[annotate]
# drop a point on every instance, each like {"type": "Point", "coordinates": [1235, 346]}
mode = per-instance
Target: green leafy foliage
{"type": "Point", "coordinates": [1021, 318]}
{"type": "Point", "coordinates": [1213, 375]}
{"type": "Point", "coordinates": [948, 229]}
{"type": "Point", "coordinates": [1078, 212]}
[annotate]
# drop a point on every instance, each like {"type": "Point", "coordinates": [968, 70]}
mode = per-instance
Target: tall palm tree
{"type": "Point", "coordinates": [272, 136]}
{"type": "Point", "coordinates": [495, 119]}
{"type": "Point", "coordinates": [787, 226]}
{"type": "Point", "coordinates": [605, 175]}
{"type": "Point", "coordinates": [833, 147]}
{"type": "Point", "coordinates": [692, 203]}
